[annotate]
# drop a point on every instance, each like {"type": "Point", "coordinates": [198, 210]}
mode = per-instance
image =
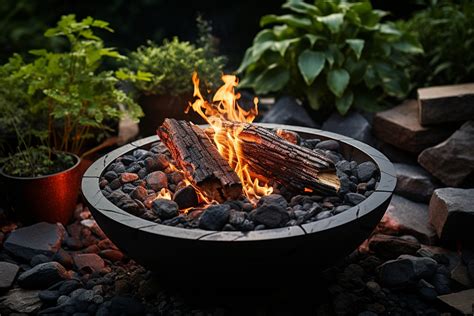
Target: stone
{"type": "Point", "coordinates": [352, 124]}
{"type": "Point", "coordinates": [111, 254]}
{"type": "Point", "coordinates": [8, 272]}
{"type": "Point", "coordinates": [236, 218]}
{"type": "Point", "coordinates": [165, 209]}
{"type": "Point", "coordinates": [21, 301]}
{"type": "Point", "coordinates": [399, 127]}
{"type": "Point", "coordinates": [186, 197]}
{"type": "Point", "coordinates": [287, 111]}
{"type": "Point", "coordinates": [274, 199]}
{"type": "Point", "coordinates": [214, 217]}
{"type": "Point", "coordinates": [452, 214]}
{"type": "Point", "coordinates": [442, 104]}
{"type": "Point", "coordinates": [110, 176]}
{"type": "Point", "coordinates": [127, 177]}
{"type": "Point", "coordinates": [426, 290]}
{"type": "Point", "coordinates": [43, 275]}
{"type": "Point", "coordinates": [330, 144]}
{"type": "Point", "coordinates": [41, 238]}
{"type": "Point", "coordinates": [414, 182]}
{"type": "Point", "coordinates": [366, 171]}
{"type": "Point", "coordinates": [451, 161]}
{"type": "Point", "coordinates": [139, 193]}
{"type": "Point", "coordinates": [441, 282]}
{"type": "Point", "coordinates": [461, 275]}
{"type": "Point", "coordinates": [157, 180]}
{"type": "Point", "coordinates": [407, 217]}
{"type": "Point", "coordinates": [68, 286]}
{"type": "Point", "coordinates": [353, 198]}
{"type": "Point", "coordinates": [390, 247]}
{"type": "Point", "coordinates": [49, 297]}
{"type": "Point", "coordinates": [88, 262]}
{"type": "Point", "coordinates": [406, 270]}
{"type": "Point", "coordinates": [270, 215]}
{"type": "Point", "coordinates": [462, 301]}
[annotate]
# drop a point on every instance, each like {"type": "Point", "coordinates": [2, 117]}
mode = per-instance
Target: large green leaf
{"type": "Point", "coordinates": [312, 95]}
{"type": "Point", "coordinates": [337, 81]}
{"type": "Point", "coordinates": [356, 68]}
{"type": "Point", "coordinates": [302, 7]}
{"type": "Point", "coordinates": [332, 21]}
{"type": "Point", "coordinates": [408, 46]}
{"type": "Point", "coordinates": [356, 45]}
{"type": "Point", "coordinates": [343, 104]}
{"type": "Point", "coordinates": [310, 64]}
{"type": "Point", "coordinates": [290, 19]}
{"type": "Point", "coordinates": [264, 36]}
{"type": "Point", "coordinates": [282, 46]}
{"type": "Point", "coordinates": [274, 78]}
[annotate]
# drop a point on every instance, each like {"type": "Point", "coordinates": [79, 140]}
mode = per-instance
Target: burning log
{"type": "Point", "coordinates": [196, 155]}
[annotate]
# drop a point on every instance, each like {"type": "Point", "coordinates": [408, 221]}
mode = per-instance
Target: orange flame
{"type": "Point", "coordinates": [164, 194]}
{"type": "Point", "coordinates": [224, 107]}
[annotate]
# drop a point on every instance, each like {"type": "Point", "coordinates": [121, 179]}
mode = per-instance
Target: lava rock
{"type": "Point", "coordinates": [38, 259]}
{"type": "Point", "coordinates": [345, 167]}
{"type": "Point", "coordinates": [43, 275]}
{"type": "Point", "coordinates": [49, 297]}
{"type": "Point", "coordinates": [127, 177]}
{"type": "Point", "coordinates": [452, 214]}
{"type": "Point", "coordinates": [452, 161]}
{"type": "Point", "coordinates": [186, 197]}
{"type": "Point", "coordinates": [21, 301]}
{"type": "Point", "coordinates": [157, 180]}
{"type": "Point", "coordinates": [41, 238]}
{"type": "Point", "coordinates": [68, 286]}
{"type": "Point", "coordinates": [287, 111]}
{"type": "Point", "coordinates": [352, 124]}
{"type": "Point", "coordinates": [110, 176]}
{"type": "Point", "coordinates": [273, 199]}
{"type": "Point", "coordinates": [237, 218]}
{"type": "Point", "coordinates": [414, 182]}
{"type": "Point", "coordinates": [139, 193]}
{"type": "Point", "coordinates": [406, 270]}
{"type": "Point", "coordinates": [390, 247]}
{"type": "Point", "coordinates": [8, 272]}
{"type": "Point", "coordinates": [341, 208]}
{"type": "Point", "coordinates": [165, 209]}
{"type": "Point", "coordinates": [215, 217]}
{"type": "Point", "coordinates": [330, 144]}
{"type": "Point", "coordinates": [366, 171]}
{"type": "Point", "coordinates": [270, 215]}
{"type": "Point", "coordinates": [88, 262]}
{"type": "Point", "coordinates": [353, 198]}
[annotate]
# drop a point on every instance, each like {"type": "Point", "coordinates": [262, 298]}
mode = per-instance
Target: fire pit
{"type": "Point", "coordinates": [238, 258]}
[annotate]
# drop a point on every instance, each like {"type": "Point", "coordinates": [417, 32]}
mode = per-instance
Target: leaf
{"type": "Point", "coordinates": [302, 7]}
{"type": "Point", "coordinates": [408, 47]}
{"type": "Point", "coordinates": [290, 19]}
{"type": "Point", "coordinates": [312, 38]}
{"type": "Point", "coordinates": [337, 81]}
{"type": "Point", "coordinates": [344, 103]}
{"type": "Point", "coordinates": [332, 21]}
{"type": "Point", "coordinates": [263, 36]}
{"type": "Point", "coordinates": [356, 45]}
{"type": "Point", "coordinates": [313, 97]}
{"type": "Point", "coordinates": [389, 29]}
{"type": "Point", "coordinates": [370, 77]}
{"type": "Point", "coordinates": [310, 64]}
{"type": "Point", "coordinates": [274, 78]}
{"type": "Point", "coordinates": [282, 46]}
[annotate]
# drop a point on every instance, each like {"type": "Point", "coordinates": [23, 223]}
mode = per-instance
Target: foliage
{"type": "Point", "coordinates": [446, 32]}
{"type": "Point", "coordinates": [330, 53]}
{"type": "Point", "coordinates": [63, 95]}
{"type": "Point", "coordinates": [167, 69]}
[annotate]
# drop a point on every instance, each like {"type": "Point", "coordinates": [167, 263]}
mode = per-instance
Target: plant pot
{"type": "Point", "coordinates": [51, 198]}
{"type": "Point", "coordinates": [158, 107]}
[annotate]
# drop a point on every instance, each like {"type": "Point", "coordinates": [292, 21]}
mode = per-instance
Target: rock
{"type": "Point", "coordinates": [64, 258]}
{"type": "Point", "coordinates": [165, 209]}
{"type": "Point", "coordinates": [443, 104]}
{"type": "Point", "coordinates": [353, 198]}
{"type": "Point", "coordinates": [139, 193]}
{"type": "Point", "coordinates": [88, 262]}
{"type": "Point", "coordinates": [352, 124]}
{"type": "Point", "coordinates": [406, 270]}
{"type": "Point", "coordinates": [414, 182]}
{"type": "Point", "coordinates": [330, 144]}
{"type": "Point", "coordinates": [366, 171]}
{"type": "Point", "coordinates": [111, 254]}
{"type": "Point", "coordinates": [49, 297]}
{"type": "Point", "coordinates": [390, 247]}
{"type": "Point", "coordinates": [461, 275]}
{"type": "Point", "coordinates": [186, 197]}
{"type": "Point", "coordinates": [406, 217]}
{"type": "Point", "coordinates": [127, 177]}
{"type": "Point", "coordinates": [399, 127]}
{"type": "Point", "coordinates": [157, 180]}
{"type": "Point", "coordinates": [452, 214]}
{"type": "Point", "coordinates": [68, 286]}
{"type": "Point", "coordinates": [426, 290]}
{"type": "Point", "coordinates": [236, 218]}
{"type": "Point", "coordinates": [214, 217]}
{"type": "Point", "coordinates": [441, 282]}
{"type": "Point", "coordinates": [8, 272]}
{"type": "Point", "coordinates": [461, 301]}
{"type": "Point", "coordinates": [110, 176]}
{"type": "Point", "coordinates": [270, 215]}
{"type": "Point", "coordinates": [41, 238]}
{"type": "Point", "coordinates": [287, 111]}
{"type": "Point", "coordinates": [21, 301]}
{"type": "Point", "coordinates": [451, 161]}
{"type": "Point", "coordinates": [43, 275]}
{"type": "Point", "coordinates": [273, 199]}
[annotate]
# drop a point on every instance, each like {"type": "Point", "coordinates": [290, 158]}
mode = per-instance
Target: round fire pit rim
{"type": "Point", "coordinates": [98, 202]}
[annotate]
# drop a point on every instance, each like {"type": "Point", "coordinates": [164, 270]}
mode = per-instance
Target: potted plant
{"type": "Point", "coordinates": [54, 104]}
{"type": "Point", "coordinates": [330, 54]}
{"type": "Point", "coordinates": [161, 75]}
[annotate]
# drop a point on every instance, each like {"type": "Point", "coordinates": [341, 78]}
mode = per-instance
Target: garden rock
{"type": "Point", "coordinates": [43, 275]}
{"type": "Point", "coordinates": [273, 199]}
{"type": "Point", "coordinates": [461, 301]}
{"type": "Point", "coordinates": [270, 215]}
{"type": "Point", "coordinates": [157, 180]}
{"type": "Point", "coordinates": [215, 217]}
{"type": "Point", "coordinates": [406, 270]}
{"type": "Point", "coordinates": [165, 209]}
{"type": "Point", "coordinates": [390, 247]}
{"type": "Point", "coordinates": [452, 214]}
{"type": "Point", "coordinates": [414, 182]}
{"type": "Point", "coordinates": [21, 301]}
{"type": "Point", "coordinates": [8, 272]}
{"type": "Point", "coordinates": [88, 262]}
{"type": "Point", "coordinates": [186, 197]}
{"type": "Point", "coordinates": [353, 125]}
{"type": "Point", "coordinates": [452, 161]}
{"type": "Point", "coordinates": [41, 238]}
{"type": "Point", "coordinates": [366, 171]}
{"type": "Point", "coordinates": [287, 111]}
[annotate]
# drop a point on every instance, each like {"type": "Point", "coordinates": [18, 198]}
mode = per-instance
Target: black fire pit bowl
{"type": "Point", "coordinates": [242, 259]}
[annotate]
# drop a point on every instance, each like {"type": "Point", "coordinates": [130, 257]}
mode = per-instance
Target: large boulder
{"type": "Point", "coordinates": [452, 161]}
{"type": "Point", "coordinates": [452, 214]}
{"type": "Point", "coordinates": [287, 111]}
{"type": "Point", "coordinates": [353, 125]}
{"type": "Point", "coordinates": [414, 182]}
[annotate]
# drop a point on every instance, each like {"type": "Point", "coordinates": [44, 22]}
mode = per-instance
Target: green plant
{"type": "Point", "coordinates": [446, 32]}
{"type": "Point", "coordinates": [330, 53]}
{"type": "Point", "coordinates": [167, 69]}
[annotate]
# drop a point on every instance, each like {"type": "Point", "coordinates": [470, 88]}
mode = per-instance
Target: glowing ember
{"type": "Point", "coordinates": [224, 107]}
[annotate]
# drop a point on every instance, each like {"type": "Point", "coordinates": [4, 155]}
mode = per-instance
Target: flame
{"type": "Point", "coordinates": [202, 198]}
{"type": "Point", "coordinates": [224, 108]}
{"type": "Point", "coordinates": [164, 194]}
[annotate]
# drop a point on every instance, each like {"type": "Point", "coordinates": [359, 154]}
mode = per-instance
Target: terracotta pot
{"type": "Point", "coordinates": [51, 198]}
{"type": "Point", "coordinates": [158, 107]}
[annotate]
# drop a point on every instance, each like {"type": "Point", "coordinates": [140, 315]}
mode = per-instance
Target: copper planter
{"type": "Point", "coordinates": [50, 198]}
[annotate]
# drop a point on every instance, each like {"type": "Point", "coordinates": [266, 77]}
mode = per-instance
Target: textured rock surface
{"type": "Point", "coordinates": [21, 301]}
{"type": "Point", "coordinates": [414, 182]}
{"type": "Point", "coordinates": [452, 160]}
{"type": "Point", "coordinates": [390, 247]}
{"type": "Point", "coordinates": [88, 262]}
{"type": "Point", "coordinates": [41, 238]}
{"type": "Point", "coordinates": [8, 272]}
{"type": "Point", "coordinates": [287, 111]}
{"type": "Point", "coordinates": [452, 214]}
{"type": "Point", "coordinates": [406, 270]}
{"type": "Point", "coordinates": [461, 301]}
{"type": "Point", "coordinates": [353, 125]}
{"type": "Point", "coordinates": [43, 275]}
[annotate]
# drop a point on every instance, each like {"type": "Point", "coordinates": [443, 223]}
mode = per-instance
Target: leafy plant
{"type": "Point", "coordinates": [330, 53]}
{"type": "Point", "coordinates": [446, 31]}
{"type": "Point", "coordinates": [167, 69]}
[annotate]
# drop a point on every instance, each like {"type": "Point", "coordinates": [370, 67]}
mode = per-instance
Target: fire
{"type": "Point", "coordinates": [224, 108]}
{"type": "Point", "coordinates": [164, 194]}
